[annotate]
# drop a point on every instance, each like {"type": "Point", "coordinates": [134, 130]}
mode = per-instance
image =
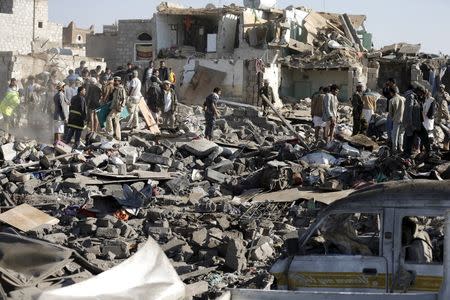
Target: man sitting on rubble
{"type": "Point", "coordinates": [211, 112]}
{"type": "Point", "coordinates": [330, 113]}
{"type": "Point", "coordinates": [317, 111]}
{"type": "Point", "coordinates": [77, 117]}
{"type": "Point", "coordinates": [267, 92]}
{"type": "Point", "coordinates": [170, 103]}
{"type": "Point", "coordinates": [357, 105]}
{"type": "Point", "coordinates": [119, 100]}
{"type": "Point", "coordinates": [417, 243]}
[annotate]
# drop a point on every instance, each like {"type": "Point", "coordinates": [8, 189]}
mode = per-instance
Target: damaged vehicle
{"type": "Point", "coordinates": [388, 238]}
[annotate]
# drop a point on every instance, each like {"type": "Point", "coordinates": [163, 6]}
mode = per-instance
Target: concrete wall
{"type": "Point", "coordinates": [227, 35]}
{"type": "Point", "coordinates": [17, 30]}
{"type": "Point", "coordinates": [232, 85]}
{"type": "Point", "coordinates": [102, 45]}
{"type": "Point", "coordinates": [165, 36]}
{"type": "Point", "coordinates": [302, 84]}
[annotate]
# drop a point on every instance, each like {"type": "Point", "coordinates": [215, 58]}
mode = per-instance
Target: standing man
{"type": "Point", "coordinates": [77, 117]}
{"type": "Point", "coordinates": [357, 104]}
{"type": "Point", "coordinates": [442, 98]}
{"type": "Point", "coordinates": [134, 92]}
{"type": "Point", "coordinates": [61, 111]}
{"type": "Point", "coordinates": [266, 91]}
{"type": "Point", "coordinates": [163, 71]}
{"type": "Point", "coordinates": [79, 71]}
{"type": "Point", "coordinates": [330, 113]}
{"type": "Point", "coordinates": [369, 100]}
{"type": "Point", "coordinates": [108, 90]}
{"type": "Point", "coordinates": [428, 113]}
{"type": "Point", "coordinates": [170, 104]}
{"type": "Point", "coordinates": [154, 96]}
{"type": "Point", "coordinates": [33, 99]}
{"type": "Point", "coordinates": [148, 73]}
{"type": "Point", "coordinates": [317, 111]}
{"type": "Point", "coordinates": [119, 99]}
{"type": "Point", "coordinates": [10, 103]}
{"type": "Point", "coordinates": [211, 112]}
{"type": "Point", "coordinates": [93, 103]}
{"type": "Point", "coordinates": [396, 111]}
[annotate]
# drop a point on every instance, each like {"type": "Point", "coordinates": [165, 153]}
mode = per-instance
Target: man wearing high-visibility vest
{"type": "Point", "coordinates": [10, 103]}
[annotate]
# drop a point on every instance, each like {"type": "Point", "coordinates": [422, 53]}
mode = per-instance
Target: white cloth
{"type": "Point", "coordinates": [428, 123]}
{"type": "Point", "coordinates": [149, 73]}
{"type": "Point", "coordinates": [135, 87]}
{"type": "Point", "coordinates": [367, 115]}
{"type": "Point", "coordinates": [58, 126]}
{"type": "Point", "coordinates": [318, 122]}
{"type": "Point", "coordinates": [167, 101]}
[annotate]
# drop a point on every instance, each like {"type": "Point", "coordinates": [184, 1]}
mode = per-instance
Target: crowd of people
{"type": "Point", "coordinates": [410, 117]}
{"type": "Point", "coordinates": [72, 104]}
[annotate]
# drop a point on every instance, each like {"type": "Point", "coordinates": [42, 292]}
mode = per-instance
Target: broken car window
{"type": "Point", "coordinates": [347, 234]}
{"type": "Point", "coordinates": [422, 240]}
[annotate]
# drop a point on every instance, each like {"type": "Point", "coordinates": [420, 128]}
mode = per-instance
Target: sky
{"type": "Point", "coordinates": [390, 21]}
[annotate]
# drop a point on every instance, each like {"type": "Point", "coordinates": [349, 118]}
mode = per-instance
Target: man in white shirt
{"type": "Point", "coordinates": [169, 103]}
{"type": "Point", "coordinates": [134, 92]}
{"type": "Point", "coordinates": [330, 113]}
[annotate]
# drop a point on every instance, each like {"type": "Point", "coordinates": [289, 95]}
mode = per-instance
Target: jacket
{"type": "Point", "coordinates": [94, 95]}
{"type": "Point", "coordinates": [396, 109]}
{"type": "Point", "coordinates": [317, 105]}
{"type": "Point", "coordinates": [119, 98]}
{"type": "Point", "coordinates": [9, 103]}
{"type": "Point", "coordinates": [357, 104]}
{"type": "Point", "coordinates": [330, 104]}
{"type": "Point", "coordinates": [268, 92]}
{"type": "Point", "coordinates": [77, 112]}
{"type": "Point", "coordinates": [154, 96]}
{"type": "Point", "coordinates": [412, 116]}
{"type": "Point", "coordinates": [174, 104]}
{"type": "Point", "coordinates": [163, 74]}
{"type": "Point", "coordinates": [61, 102]}
{"type": "Point", "coordinates": [369, 101]}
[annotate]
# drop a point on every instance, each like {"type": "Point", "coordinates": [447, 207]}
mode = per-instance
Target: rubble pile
{"type": "Point", "coordinates": [221, 211]}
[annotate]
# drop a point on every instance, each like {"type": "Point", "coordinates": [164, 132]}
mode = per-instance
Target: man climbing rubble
{"type": "Point", "coordinates": [119, 100]}
{"type": "Point", "coordinates": [357, 104]}
{"type": "Point", "coordinates": [442, 114]}
{"type": "Point", "coordinates": [211, 112]}
{"type": "Point", "coordinates": [317, 111]}
{"type": "Point", "coordinates": [266, 91]}
{"type": "Point", "coordinates": [330, 112]}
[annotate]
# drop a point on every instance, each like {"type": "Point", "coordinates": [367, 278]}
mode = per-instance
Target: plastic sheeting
{"type": "Point", "coordinates": [146, 275]}
{"type": "Point", "coordinates": [319, 158]}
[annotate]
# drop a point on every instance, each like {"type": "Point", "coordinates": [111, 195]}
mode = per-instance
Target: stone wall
{"type": "Point", "coordinates": [17, 29]}
{"type": "Point", "coordinates": [103, 45]}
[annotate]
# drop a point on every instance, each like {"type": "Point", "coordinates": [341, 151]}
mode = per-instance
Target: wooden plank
{"type": "Point", "coordinates": [148, 117]}
{"type": "Point", "coordinates": [285, 122]}
{"type": "Point", "coordinates": [25, 218]}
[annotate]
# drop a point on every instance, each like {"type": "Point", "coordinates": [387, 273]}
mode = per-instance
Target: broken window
{"type": "Point", "coordinates": [6, 6]}
{"type": "Point", "coordinates": [144, 37]}
{"type": "Point", "coordinates": [423, 240]}
{"type": "Point", "coordinates": [347, 234]}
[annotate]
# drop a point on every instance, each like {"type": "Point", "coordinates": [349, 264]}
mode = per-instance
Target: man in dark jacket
{"type": "Point", "coordinates": [154, 95]}
{"type": "Point", "coordinates": [163, 71]}
{"type": "Point", "coordinates": [357, 105]}
{"type": "Point", "coordinates": [267, 92]}
{"type": "Point", "coordinates": [60, 115]}
{"type": "Point", "coordinates": [77, 117]}
{"type": "Point", "coordinates": [413, 120]}
{"type": "Point", "coordinates": [211, 112]}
